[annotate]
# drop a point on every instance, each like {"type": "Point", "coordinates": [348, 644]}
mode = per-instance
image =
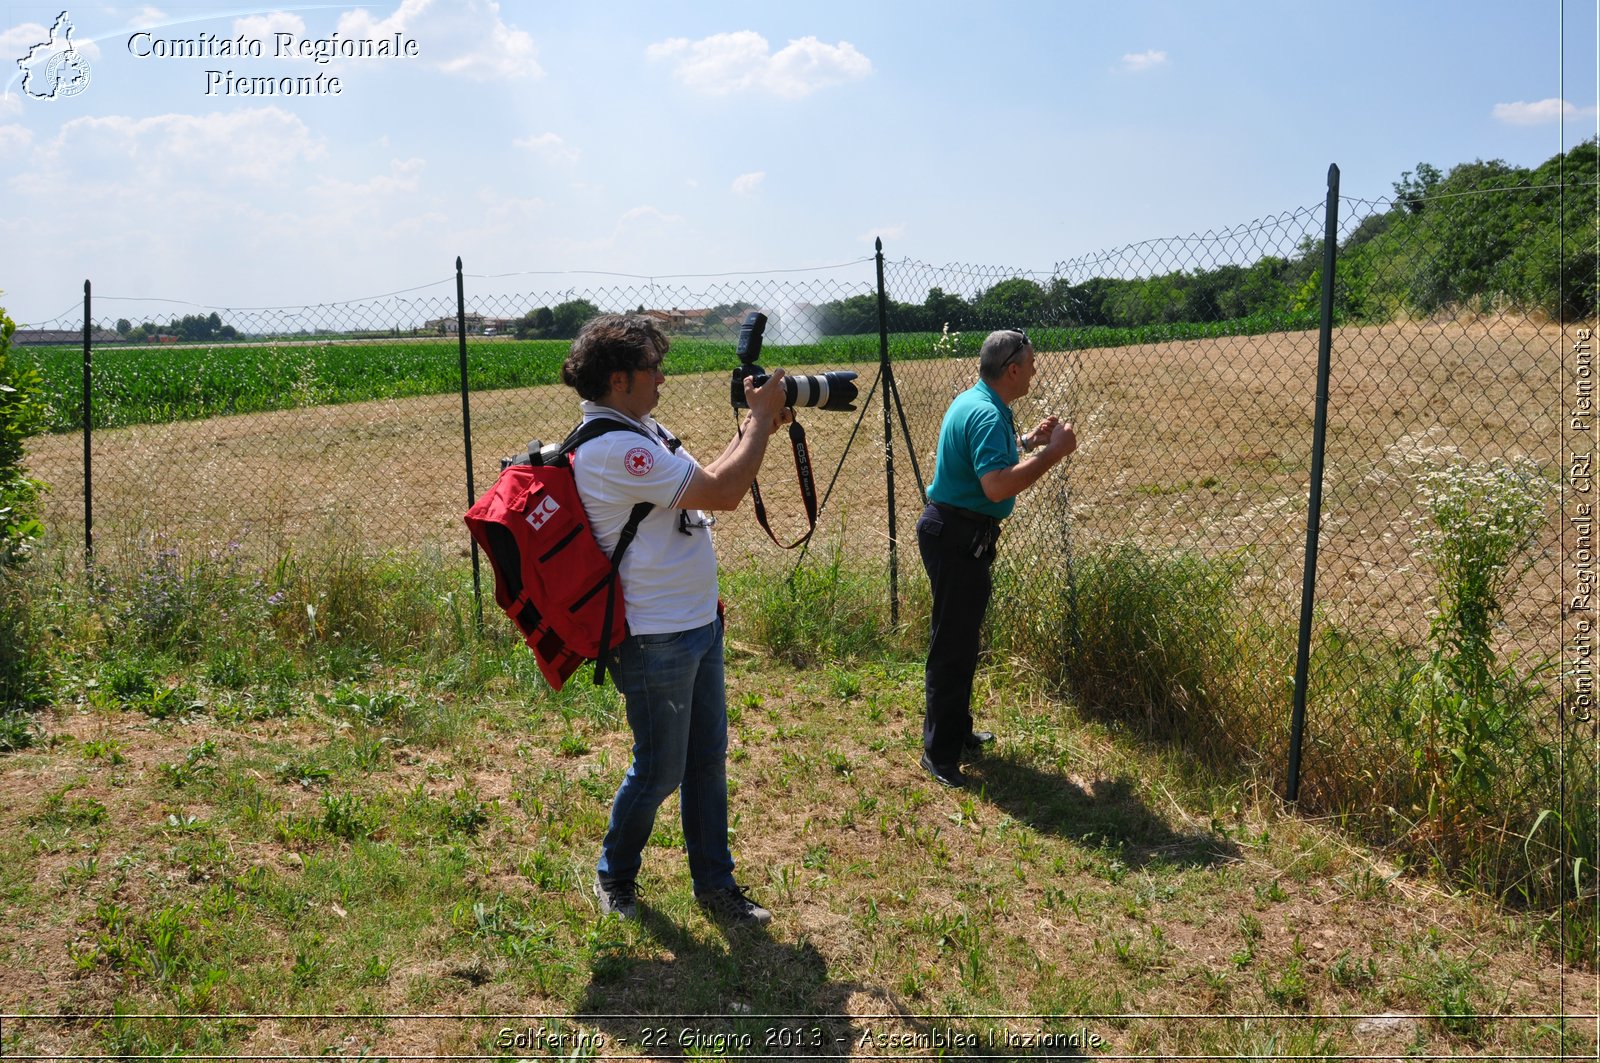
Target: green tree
{"type": "Point", "coordinates": [21, 415]}
{"type": "Point", "coordinates": [24, 673]}
{"type": "Point", "coordinates": [848, 317]}
{"type": "Point", "coordinates": [1411, 192]}
{"type": "Point", "coordinates": [1554, 268]}
{"type": "Point", "coordinates": [535, 324]}
{"type": "Point", "coordinates": [1014, 303]}
{"type": "Point", "coordinates": [568, 317]}
{"type": "Point", "coordinates": [943, 308]}
{"type": "Point", "coordinates": [1081, 305]}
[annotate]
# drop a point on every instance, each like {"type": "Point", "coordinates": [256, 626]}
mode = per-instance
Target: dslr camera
{"type": "Point", "coordinates": [834, 390]}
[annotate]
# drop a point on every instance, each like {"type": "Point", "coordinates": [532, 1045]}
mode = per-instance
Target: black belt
{"type": "Point", "coordinates": [971, 515]}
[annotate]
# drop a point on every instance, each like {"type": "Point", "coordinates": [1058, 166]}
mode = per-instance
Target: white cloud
{"type": "Point", "coordinates": [633, 241]}
{"type": "Point", "coordinates": [14, 138]}
{"type": "Point", "coordinates": [262, 27]}
{"type": "Point", "coordinates": [747, 183]}
{"type": "Point", "coordinates": [10, 104]}
{"type": "Point", "coordinates": [500, 211]}
{"type": "Point", "coordinates": [172, 152]}
{"type": "Point", "coordinates": [1542, 112]}
{"type": "Point", "coordinates": [465, 37]}
{"type": "Point", "coordinates": [549, 146]}
{"type": "Point", "coordinates": [736, 62]}
{"type": "Point", "coordinates": [1139, 62]}
{"type": "Point", "coordinates": [645, 217]}
{"type": "Point", "coordinates": [403, 178]}
{"type": "Point", "coordinates": [147, 18]}
{"type": "Point", "coordinates": [17, 41]}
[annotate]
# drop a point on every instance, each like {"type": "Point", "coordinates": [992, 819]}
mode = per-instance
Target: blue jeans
{"type": "Point", "coordinates": [677, 707]}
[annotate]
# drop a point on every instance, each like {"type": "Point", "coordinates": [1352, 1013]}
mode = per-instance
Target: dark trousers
{"type": "Point", "coordinates": [961, 585]}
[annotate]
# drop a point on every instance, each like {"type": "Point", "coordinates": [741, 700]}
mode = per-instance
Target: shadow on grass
{"type": "Point", "coordinates": [747, 995]}
{"type": "Point", "coordinates": [1107, 813]}
{"type": "Point", "coordinates": [752, 995]}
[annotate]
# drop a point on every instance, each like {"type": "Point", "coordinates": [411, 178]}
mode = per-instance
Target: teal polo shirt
{"type": "Point", "coordinates": [978, 436]}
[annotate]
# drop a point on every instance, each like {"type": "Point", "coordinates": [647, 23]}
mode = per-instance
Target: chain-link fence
{"type": "Point", "coordinates": [1443, 677]}
{"type": "Point", "coordinates": [1190, 368]}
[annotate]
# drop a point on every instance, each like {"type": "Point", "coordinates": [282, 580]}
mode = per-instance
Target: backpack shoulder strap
{"type": "Point", "coordinates": [594, 428]}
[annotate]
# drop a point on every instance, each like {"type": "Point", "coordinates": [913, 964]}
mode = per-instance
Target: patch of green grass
{"type": "Point", "coordinates": [825, 612]}
{"type": "Point", "coordinates": [1454, 993]}
{"type": "Point", "coordinates": [26, 680]}
{"type": "Point", "coordinates": [1155, 641]}
{"type": "Point", "coordinates": [61, 813]}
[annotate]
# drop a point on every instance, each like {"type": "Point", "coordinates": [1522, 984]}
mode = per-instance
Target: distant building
{"type": "Point", "coordinates": [477, 324]}
{"type": "Point", "coordinates": [58, 337]}
{"type": "Point", "coordinates": [676, 320]}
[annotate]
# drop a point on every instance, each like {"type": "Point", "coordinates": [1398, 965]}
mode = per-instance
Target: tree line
{"type": "Point", "coordinates": [189, 328]}
{"type": "Point", "coordinates": [1483, 238]}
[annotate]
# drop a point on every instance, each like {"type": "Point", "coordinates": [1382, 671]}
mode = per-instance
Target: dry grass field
{"type": "Point", "coordinates": [1202, 445]}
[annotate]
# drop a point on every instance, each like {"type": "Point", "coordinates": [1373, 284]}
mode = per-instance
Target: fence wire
{"type": "Point", "coordinates": [1188, 366]}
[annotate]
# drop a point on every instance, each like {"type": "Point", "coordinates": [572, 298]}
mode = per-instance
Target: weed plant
{"type": "Point", "coordinates": [26, 680]}
{"type": "Point", "coordinates": [1159, 640]}
{"type": "Point", "coordinates": [1449, 751]}
{"type": "Point", "coordinates": [819, 613]}
{"type": "Point", "coordinates": [1489, 767]}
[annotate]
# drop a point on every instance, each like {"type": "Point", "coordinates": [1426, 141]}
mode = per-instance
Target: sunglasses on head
{"type": "Point", "coordinates": [1023, 344]}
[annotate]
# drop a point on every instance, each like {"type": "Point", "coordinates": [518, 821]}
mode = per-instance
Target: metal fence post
{"type": "Point", "coordinates": [88, 430]}
{"type": "Point", "coordinates": [1319, 431]}
{"type": "Point", "coordinates": [466, 432]}
{"type": "Point", "coordinates": [886, 373]}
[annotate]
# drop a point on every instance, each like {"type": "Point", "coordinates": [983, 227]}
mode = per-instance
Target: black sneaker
{"type": "Point", "coordinates": [620, 899]}
{"type": "Point", "coordinates": [731, 905]}
{"type": "Point", "coordinates": [947, 775]}
{"type": "Point", "coordinates": [975, 741]}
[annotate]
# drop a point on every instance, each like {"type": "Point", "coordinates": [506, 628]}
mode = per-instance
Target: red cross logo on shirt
{"type": "Point", "coordinates": [638, 461]}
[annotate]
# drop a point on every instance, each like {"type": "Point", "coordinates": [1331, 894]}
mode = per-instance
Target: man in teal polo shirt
{"type": "Point", "coordinates": [977, 476]}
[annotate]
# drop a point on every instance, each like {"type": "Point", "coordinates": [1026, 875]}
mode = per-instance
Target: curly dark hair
{"type": "Point", "coordinates": [608, 344]}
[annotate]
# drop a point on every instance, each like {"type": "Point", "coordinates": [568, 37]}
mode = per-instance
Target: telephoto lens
{"type": "Point", "coordinates": [835, 390]}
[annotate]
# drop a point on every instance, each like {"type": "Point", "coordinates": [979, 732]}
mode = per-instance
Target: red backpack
{"type": "Point", "coordinates": [550, 575]}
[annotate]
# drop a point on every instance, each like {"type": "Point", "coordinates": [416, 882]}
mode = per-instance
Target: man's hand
{"type": "Point", "coordinates": [1063, 440]}
{"type": "Point", "coordinates": [1041, 435]}
{"type": "Point", "coordinates": [1002, 484]}
{"type": "Point", "coordinates": [768, 403]}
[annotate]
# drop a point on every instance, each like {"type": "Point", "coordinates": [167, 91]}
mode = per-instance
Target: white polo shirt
{"type": "Point", "coordinates": [669, 579]}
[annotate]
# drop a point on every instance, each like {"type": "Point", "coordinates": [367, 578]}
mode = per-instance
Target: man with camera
{"type": "Point", "coordinates": [669, 667]}
{"type": "Point", "coordinates": [978, 472]}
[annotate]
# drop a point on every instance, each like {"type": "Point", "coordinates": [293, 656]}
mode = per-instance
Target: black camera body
{"type": "Point", "coordinates": [834, 390]}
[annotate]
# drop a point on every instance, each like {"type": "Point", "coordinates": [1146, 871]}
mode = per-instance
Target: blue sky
{"type": "Point", "coordinates": [662, 139]}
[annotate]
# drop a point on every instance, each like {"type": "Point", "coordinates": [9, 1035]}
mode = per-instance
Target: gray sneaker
{"type": "Point", "coordinates": [732, 906]}
{"type": "Point", "coordinates": [620, 899]}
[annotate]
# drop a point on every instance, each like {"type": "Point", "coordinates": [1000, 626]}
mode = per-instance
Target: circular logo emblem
{"type": "Point", "coordinates": [638, 461]}
{"type": "Point", "coordinates": [66, 74]}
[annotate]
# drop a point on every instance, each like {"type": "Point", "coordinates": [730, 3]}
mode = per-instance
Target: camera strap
{"type": "Point", "coordinates": [808, 488]}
